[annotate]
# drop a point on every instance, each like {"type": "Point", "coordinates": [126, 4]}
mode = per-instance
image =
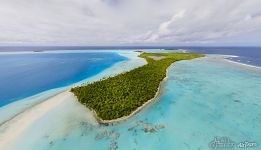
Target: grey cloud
{"type": "Point", "coordinates": [123, 21]}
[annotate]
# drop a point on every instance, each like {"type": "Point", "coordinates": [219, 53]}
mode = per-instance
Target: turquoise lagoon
{"type": "Point", "coordinates": [201, 99]}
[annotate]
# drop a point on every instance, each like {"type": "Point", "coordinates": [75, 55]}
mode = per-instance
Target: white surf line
{"type": "Point", "coordinates": [247, 65]}
{"type": "Point", "coordinates": [224, 59]}
{"type": "Point", "coordinates": [15, 127]}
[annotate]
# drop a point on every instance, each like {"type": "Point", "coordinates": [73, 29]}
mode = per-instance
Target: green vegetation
{"type": "Point", "coordinates": [120, 95]}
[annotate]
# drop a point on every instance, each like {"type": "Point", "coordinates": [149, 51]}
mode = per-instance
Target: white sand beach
{"type": "Point", "coordinates": [17, 125]}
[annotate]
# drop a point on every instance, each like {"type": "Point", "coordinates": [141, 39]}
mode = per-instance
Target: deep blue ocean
{"type": "Point", "coordinates": [23, 75]}
{"type": "Point", "coordinates": [246, 55]}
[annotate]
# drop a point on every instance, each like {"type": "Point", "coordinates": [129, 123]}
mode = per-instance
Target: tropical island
{"type": "Point", "coordinates": [121, 96]}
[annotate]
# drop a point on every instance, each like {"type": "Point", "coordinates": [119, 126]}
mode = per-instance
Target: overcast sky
{"type": "Point", "coordinates": [131, 22]}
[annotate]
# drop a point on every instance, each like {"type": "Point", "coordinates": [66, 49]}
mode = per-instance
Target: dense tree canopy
{"type": "Point", "coordinates": [119, 96]}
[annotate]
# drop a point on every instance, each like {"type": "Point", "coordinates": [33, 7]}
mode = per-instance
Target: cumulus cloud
{"type": "Point", "coordinates": [164, 27]}
{"type": "Point", "coordinates": [127, 21]}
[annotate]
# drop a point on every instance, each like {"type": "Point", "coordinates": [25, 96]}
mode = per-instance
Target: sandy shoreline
{"type": "Point", "coordinates": [13, 128]}
{"type": "Point", "coordinates": [23, 111]}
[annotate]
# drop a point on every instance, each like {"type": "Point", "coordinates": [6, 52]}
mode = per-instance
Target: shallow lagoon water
{"type": "Point", "coordinates": [200, 100]}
